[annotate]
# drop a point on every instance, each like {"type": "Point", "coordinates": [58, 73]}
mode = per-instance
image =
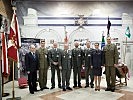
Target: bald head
{"type": "Point", "coordinates": [32, 48]}
{"type": "Point", "coordinates": [54, 45]}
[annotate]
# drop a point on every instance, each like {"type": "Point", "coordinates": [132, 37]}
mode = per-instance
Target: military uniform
{"type": "Point", "coordinates": [110, 58]}
{"type": "Point", "coordinates": [66, 63]}
{"type": "Point", "coordinates": [77, 61]}
{"type": "Point", "coordinates": [43, 66]}
{"type": "Point", "coordinates": [87, 63]}
{"type": "Point", "coordinates": [55, 56]}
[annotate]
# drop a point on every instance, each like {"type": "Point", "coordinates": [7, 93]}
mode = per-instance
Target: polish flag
{"type": "Point", "coordinates": [5, 70]}
{"type": "Point", "coordinates": [14, 39]}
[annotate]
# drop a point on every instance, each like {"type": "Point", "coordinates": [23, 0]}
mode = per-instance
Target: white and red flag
{"type": "Point", "coordinates": [5, 70]}
{"type": "Point", "coordinates": [14, 39]}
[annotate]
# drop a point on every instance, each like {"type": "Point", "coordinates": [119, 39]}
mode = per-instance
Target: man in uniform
{"type": "Point", "coordinates": [43, 65]}
{"type": "Point", "coordinates": [77, 61]}
{"type": "Point", "coordinates": [110, 61]}
{"type": "Point", "coordinates": [87, 63]}
{"type": "Point", "coordinates": [55, 61]}
{"type": "Point", "coordinates": [66, 63]}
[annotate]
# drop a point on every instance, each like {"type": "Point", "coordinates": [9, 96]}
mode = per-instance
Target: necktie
{"type": "Point", "coordinates": [34, 55]}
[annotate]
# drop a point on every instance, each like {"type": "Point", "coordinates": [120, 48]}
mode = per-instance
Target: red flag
{"type": "Point", "coordinates": [66, 38]}
{"type": "Point", "coordinates": [5, 69]}
{"type": "Point", "coordinates": [14, 39]}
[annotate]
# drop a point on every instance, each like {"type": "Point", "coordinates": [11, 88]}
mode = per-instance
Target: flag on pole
{"type": "Point", "coordinates": [108, 27]}
{"type": "Point", "coordinates": [66, 38]}
{"type": "Point", "coordinates": [5, 70]}
{"type": "Point", "coordinates": [127, 33]}
{"type": "Point", "coordinates": [14, 39]}
{"type": "Point", "coordinates": [103, 41]}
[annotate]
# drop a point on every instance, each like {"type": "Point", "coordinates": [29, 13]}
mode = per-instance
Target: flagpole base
{"type": "Point", "coordinates": [16, 98]}
{"type": "Point", "coordinates": [5, 94]}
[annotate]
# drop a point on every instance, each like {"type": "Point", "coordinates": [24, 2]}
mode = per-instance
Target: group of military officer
{"type": "Point", "coordinates": [63, 61]}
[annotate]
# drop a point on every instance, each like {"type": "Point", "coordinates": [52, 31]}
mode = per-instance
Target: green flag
{"type": "Point", "coordinates": [127, 33]}
{"type": "Point", "coordinates": [103, 41]}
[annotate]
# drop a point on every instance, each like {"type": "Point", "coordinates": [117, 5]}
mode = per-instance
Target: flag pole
{"type": "Point", "coordinates": [125, 50]}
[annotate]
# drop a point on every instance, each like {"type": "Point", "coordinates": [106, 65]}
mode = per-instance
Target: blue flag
{"type": "Point", "coordinates": [127, 33]}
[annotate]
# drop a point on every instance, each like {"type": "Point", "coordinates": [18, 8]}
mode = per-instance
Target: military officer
{"type": "Point", "coordinates": [87, 63]}
{"type": "Point", "coordinates": [66, 63]}
{"type": "Point", "coordinates": [43, 65]}
{"type": "Point", "coordinates": [77, 61]}
{"type": "Point", "coordinates": [55, 61]}
{"type": "Point", "coordinates": [110, 61]}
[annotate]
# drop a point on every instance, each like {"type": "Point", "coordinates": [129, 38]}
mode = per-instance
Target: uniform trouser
{"type": "Point", "coordinates": [32, 78]}
{"type": "Point", "coordinates": [110, 72]}
{"type": "Point", "coordinates": [66, 73]}
{"type": "Point", "coordinates": [53, 68]}
{"type": "Point", "coordinates": [88, 71]}
{"type": "Point", "coordinates": [77, 71]}
{"type": "Point", "coordinates": [43, 77]}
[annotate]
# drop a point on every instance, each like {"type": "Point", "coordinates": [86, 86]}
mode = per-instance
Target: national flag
{"type": "Point", "coordinates": [103, 41]}
{"type": "Point", "coordinates": [66, 38]}
{"type": "Point", "coordinates": [5, 70]}
{"type": "Point", "coordinates": [14, 39]}
{"type": "Point", "coordinates": [127, 33]}
{"type": "Point", "coordinates": [108, 26]}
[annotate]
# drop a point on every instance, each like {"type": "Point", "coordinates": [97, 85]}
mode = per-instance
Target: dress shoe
{"type": "Point", "coordinates": [45, 88]}
{"type": "Point", "coordinates": [107, 89]}
{"type": "Point", "coordinates": [86, 86]}
{"type": "Point", "coordinates": [59, 87]}
{"type": "Point", "coordinates": [36, 90]}
{"type": "Point", "coordinates": [41, 89]}
{"type": "Point", "coordinates": [31, 92]}
{"type": "Point", "coordinates": [112, 90]}
{"type": "Point", "coordinates": [64, 89]}
{"type": "Point", "coordinates": [69, 88]}
{"type": "Point", "coordinates": [80, 86]}
{"type": "Point", "coordinates": [52, 87]}
{"type": "Point", "coordinates": [92, 86]}
{"type": "Point", "coordinates": [74, 86]}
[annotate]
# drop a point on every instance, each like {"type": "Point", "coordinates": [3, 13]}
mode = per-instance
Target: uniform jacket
{"type": "Point", "coordinates": [97, 58]}
{"type": "Point", "coordinates": [87, 57]}
{"type": "Point", "coordinates": [66, 60]}
{"type": "Point", "coordinates": [77, 57]}
{"type": "Point", "coordinates": [43, 58]}
{"type": "Point", "coordinates": [31, 62]}
{"type": "Point", "coordinates": [55, 56]}
{"type": "Point", "coordinates": [110, 55]}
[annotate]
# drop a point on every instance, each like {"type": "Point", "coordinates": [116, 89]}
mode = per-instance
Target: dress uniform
{"type": "Point", "coordinates": [43, 67]}
{"type": "Point", "coordinates": [88, 70]}
{"type": "Point", "coordinates": [77, 61]}
{"type": "Point", "coordinates": [110, 59]}
{"type": "Point", "coordinates": [66, 63]}
{"type": "Point", "coordinates": [55, 57]}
